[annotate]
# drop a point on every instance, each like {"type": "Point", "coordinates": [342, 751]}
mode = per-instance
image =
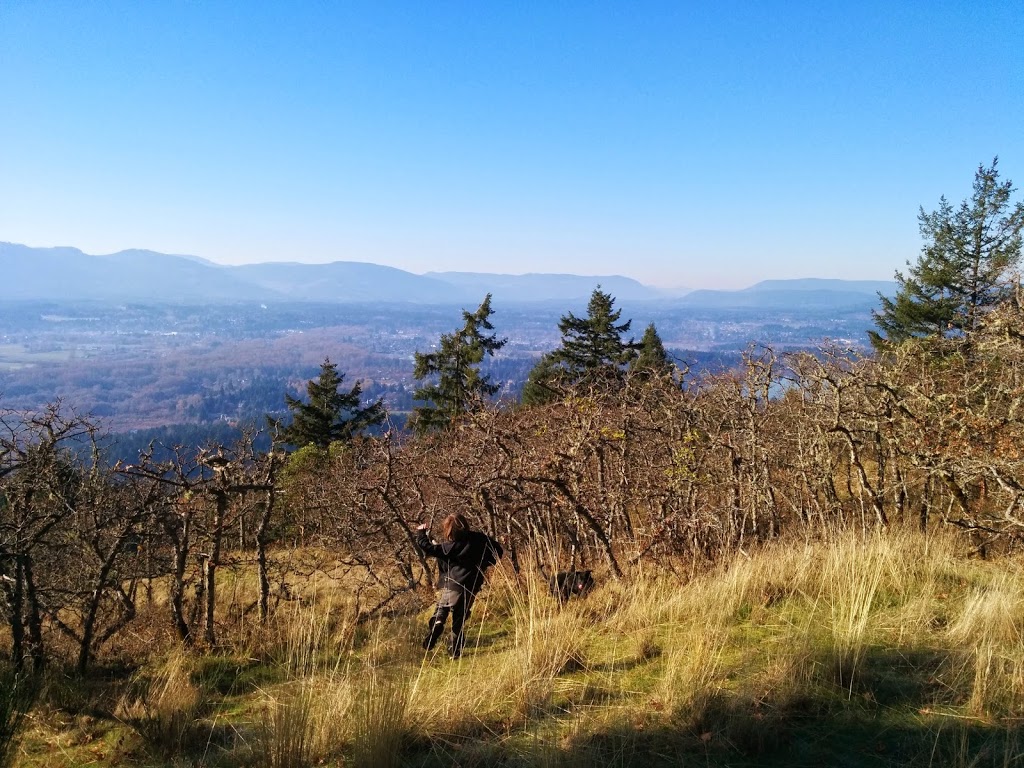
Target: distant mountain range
{"type": "Point", "coordinates": [810, 293]}
{"type": "Point", "coordinates": [68, 274]}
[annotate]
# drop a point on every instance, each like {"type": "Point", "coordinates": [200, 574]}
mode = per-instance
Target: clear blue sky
{"type": "Point", "coordinates": [706, 144]}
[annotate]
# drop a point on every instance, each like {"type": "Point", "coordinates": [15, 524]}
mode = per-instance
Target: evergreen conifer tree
{"type": "Point", "coordinates": [651, 359]}
{"type": "Point", "coordinates": [965, 268]}
{"type": "Point", "coordinates": [455, 385]}
{"type": "Point", "coordinates": [543, 384]}
{"type": "Point", "coordinates": [593, 352]}
{"type": "Point", "coordinates": [330, 414]}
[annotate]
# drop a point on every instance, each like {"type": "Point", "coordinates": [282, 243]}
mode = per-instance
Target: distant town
{"type": "Point", "coordinates": [148, 365]}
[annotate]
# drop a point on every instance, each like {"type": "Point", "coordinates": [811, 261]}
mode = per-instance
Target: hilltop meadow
{"type": "Point", "coordinates": [885, 649]}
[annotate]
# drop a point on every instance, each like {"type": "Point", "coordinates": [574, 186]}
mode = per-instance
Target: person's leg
{"type": "Point", "coordinates": [460, 613]}
{"type": "Point", "coordinates": [435, 627]}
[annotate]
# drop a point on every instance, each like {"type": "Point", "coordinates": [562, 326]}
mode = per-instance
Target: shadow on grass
{"type": "Point", "coordinates": [232, 676]}
{"type": "Point", "coordinates": [890, 716]}
{"type": "Point", "coordinates": [893, 678]}
{"type": "Point", "coordinates": [849, 739]}
{"type": "Point", "coordinates": [619, 665]}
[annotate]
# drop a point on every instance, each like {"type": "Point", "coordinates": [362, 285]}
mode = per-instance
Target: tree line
{"type": "Point", "coordinates": [616, 456]}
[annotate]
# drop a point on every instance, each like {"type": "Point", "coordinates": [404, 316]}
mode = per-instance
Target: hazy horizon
{"type": "Point", "coordinates": [669, 290]}
{"type": "Point", "coordinates": [679, 145]}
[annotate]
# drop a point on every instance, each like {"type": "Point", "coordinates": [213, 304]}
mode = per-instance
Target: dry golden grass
{"type": "Point", "coordinates": [379, 719]}
{"type": "Point", "coordinates": [693, 670]}
{"type": "Point", "coordinates": [298, 720]}
{"type": "Point", "coordinates": [894, 627]}
{"type": "Point", "coordinates": [17, 693]}
{"type": "Point", "coordinates": [989, 630]}
{"type": "Point", "coordinates": [163, 705]}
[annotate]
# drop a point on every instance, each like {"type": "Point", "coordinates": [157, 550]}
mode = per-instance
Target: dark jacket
{"type": "Point", "coordinates": [462, 563]}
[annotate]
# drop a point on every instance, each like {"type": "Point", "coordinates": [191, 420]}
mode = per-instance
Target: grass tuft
{"type": "Point", "coordinates": [379, 719]}
{"type": "Point", "coordinates": [17, 693]}
{"type": "Point", "coordinates": [164, 706]}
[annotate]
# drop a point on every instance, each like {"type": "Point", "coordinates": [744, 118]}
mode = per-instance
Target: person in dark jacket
{"type": "Point", "coordinates": [463, 558]}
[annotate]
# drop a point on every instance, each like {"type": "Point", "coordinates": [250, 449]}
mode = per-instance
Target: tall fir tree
{"type": "Point", "coordinates": [455, 385]}
{"type": "Point", "coordinates": [966, 265]}
{"type": "Point", "coordinates": [651, 360]}
{"type": "Point", "coordinates": [593, 352]}
{"type": "Point", "coordinates": [330, 414]}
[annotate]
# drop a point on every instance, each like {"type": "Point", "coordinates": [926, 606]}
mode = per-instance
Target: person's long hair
{"type": "Point", "coordinates": [455, 527]}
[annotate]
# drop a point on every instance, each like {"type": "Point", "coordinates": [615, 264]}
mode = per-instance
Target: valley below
{"type": "Point", "coordinates": [146, 365]}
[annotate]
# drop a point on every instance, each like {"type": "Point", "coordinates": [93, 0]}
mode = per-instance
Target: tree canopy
{"type": "Point", "coordinates": [593, 352]}
{"type": "Point", "coordinates": [330, 414]}
{"type": "Point", "coordinates": [965, 269]}
{"type": "Point", "coordinates": [651, 358]}
{"type": "Point", "coordinates": [455, 385]}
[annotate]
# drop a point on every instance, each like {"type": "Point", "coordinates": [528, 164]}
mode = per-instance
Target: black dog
{"type": "Point", "coordinates": [565, 584]}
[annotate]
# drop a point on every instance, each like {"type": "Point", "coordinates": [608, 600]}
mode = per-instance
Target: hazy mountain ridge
{"type": "Point", "coordinates": [870, 287]}
{"type": "Point", "coordinates": [534, 286]}
{"type": "Point", "coordinates": [347, 281]}
{"type": "Point", "coordinates": [818, 293]}
{"type": "Point", "coordinates": [69, 274]}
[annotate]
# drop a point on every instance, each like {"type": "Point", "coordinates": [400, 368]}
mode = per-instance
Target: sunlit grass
{"type": "Point", "coordinates": [892, 633]}
{"type": "Point", "coordinates": [164, 706]}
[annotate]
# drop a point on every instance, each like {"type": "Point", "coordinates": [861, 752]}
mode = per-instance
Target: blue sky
{"type": "Point", "coordinates": [680, 143]}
